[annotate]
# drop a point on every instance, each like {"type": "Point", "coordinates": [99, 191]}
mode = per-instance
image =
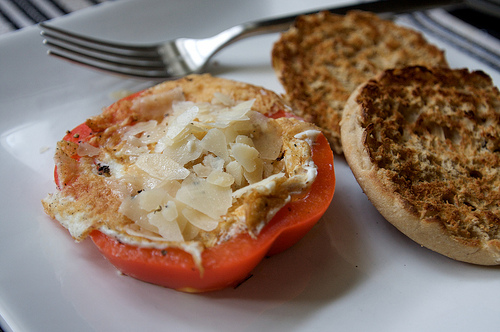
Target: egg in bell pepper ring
{"type": "Point", "coordinates": [191, 183]}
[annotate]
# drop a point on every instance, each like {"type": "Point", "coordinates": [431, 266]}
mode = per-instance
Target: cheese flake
{"type": "Point", "coordinates": [181, 121]}
{"type": "Point", "coordinates": [207, 198]}
{"type": "Point", "coordinates": [168, 229]}
{"type": "Point", "coordinates": [245, 155]}
{"type": "Point", "coordinates": [200, 220]}
{"type": "Point", "coordinates": [161, 167]}
{"type": "Point", "coordinates": [215, 142]}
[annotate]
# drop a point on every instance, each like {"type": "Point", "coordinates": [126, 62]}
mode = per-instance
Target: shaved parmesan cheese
{"type": "Point", "coordinates": [161, 167]}
{"type": "Point", "coordinates": [269, 145]}
{"type": "Point", "coordinates": [263, 186]}
{"type": "Point", "coordinates": [169, 211]}
{"type": "Point", "coordinates": [245, 155]}
{"type": "Point", "coordinates": [220, 178]}
{"type": "Point", "coordinates": [244, 139]}
{"type": "Point", "coordinates": [179, 175]}
{"type": "Point", "coordinates": [214, 163]}
{"type": "Point", "coordinates": [220, 98]}
{"type": "Point", "coordinates": [130, 209]}
{"type": "Point", "coordinates": [169, 230]}
{"type": "Point", "coordinates": [236, 170]}
{"type": "Point", "coordinates": [139, 128]}
{"type": "Point", "coordinates": [255, 175]}
{"type": "Point", "coordinates": [236, 113]}
{"type": "Point", "coordinates": [85, 149]}
{"type": "Point", "coordinates": [184, 150]}
{"type": "Point", "coordinates": [202, 171]}
{"type": "Point", "coordinates": [144, 225]}
{"type": "Point", "coordinates": [200, 220]}
{"type": "Point", "coordinates": [184, 174]}
{"type": "Point", "coordinates": [215, 142]}
{"type": "Point", "coordinates": [190, 231]}
{"type": "Point", "coordinates": [150, 200]}
{"type": "Point", "coordinates": [157, 104]}
{"type": "Point", "coordinates": [212, 200]}
{"type": "Point", "coordinates": [309, 136]}
{"type": "Point", "coordinates": [179, 123]}
{"type": "Point", "coordinates": [130, 149]}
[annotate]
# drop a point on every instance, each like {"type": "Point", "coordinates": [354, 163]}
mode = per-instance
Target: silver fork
{"type": "Point", "coordinates": [183, 56]}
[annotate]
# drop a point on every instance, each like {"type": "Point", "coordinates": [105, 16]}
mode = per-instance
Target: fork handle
{"type": "Point", "coordinates": [383, 7]}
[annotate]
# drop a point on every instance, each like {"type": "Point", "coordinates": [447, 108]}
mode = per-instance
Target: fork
{"type": "Point", "coordinates": [182, 56]}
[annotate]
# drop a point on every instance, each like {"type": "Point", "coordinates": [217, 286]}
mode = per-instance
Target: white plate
{"type": "Point", "coordinates": [352, 272]}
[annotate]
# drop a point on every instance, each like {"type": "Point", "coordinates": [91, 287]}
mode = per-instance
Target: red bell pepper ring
{"type": "Point", "coordinates": [231, 262]}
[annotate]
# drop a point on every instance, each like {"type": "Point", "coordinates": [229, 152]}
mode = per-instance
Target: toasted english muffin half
{"type": "Point", "coordinates": [424, 145]}
{"type": "Point", "coordinates": [323, 57]}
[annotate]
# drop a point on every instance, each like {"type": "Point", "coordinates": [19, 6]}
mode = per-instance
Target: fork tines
{"type": "Point", "coordinates": [132, 60]}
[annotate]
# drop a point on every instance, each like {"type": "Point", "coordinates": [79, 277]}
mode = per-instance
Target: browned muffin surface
{"type": "Point", "coordinates": [424, 144]}
{"type": "Point", "coordinates": [324, 57]}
